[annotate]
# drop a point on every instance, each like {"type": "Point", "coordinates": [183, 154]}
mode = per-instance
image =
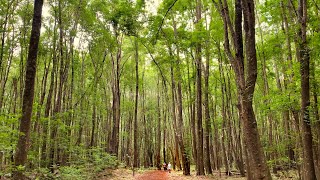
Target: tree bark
{"type": "Point", "coordinates": [25, 120]}
{"type": "Point", "coordinates": [246, 75]}
{"type": "Point", "coordinates": [304, 58]}
{"type": "Point", "coordinates": [158, 134]}
{"type": "Point", "coordinates": [176, 159]}
{"type": "Point", "coordinates": [114, 142]}
{"type": "Point", "coordinates": [200, 164]}
{"type": "Point", "coordinates": [208, 135]}
{"type": "Point", "coordinates": [180, 124]}
{"type": "Point", "coordinates": [135, 122]}
{"type": "Point", "coordinates": [58, 96]}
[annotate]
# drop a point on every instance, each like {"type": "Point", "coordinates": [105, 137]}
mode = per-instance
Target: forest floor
{"type": "Point", "coordinates": [126, 174]}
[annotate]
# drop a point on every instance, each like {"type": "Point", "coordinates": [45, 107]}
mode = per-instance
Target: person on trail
{"type": "Point", "coordinates": [169, 167]}
{"type": "Point", "coordinates": [164, 166]}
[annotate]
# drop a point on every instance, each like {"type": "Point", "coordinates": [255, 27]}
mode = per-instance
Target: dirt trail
{"type": "Point", "coordinates": [154, 175]}
{"type": "Point", "coordinates": [165, 175]}
{"type": "Point", "coordinates": [126, 174]}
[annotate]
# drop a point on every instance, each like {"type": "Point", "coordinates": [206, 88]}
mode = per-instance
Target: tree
{"type": "Point", "coordinates": [304, 58]}
{"type": "Point", "coordinates": [135, 121]}
{"type": "Point", "coordinates": [25, 120]}
{"type": "Point", "coordinates": [246, 75]}
{"type": "Point", "coordinates": [199, 129]}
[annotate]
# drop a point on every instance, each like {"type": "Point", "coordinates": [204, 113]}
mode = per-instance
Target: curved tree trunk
{"type": "Point", "coordinates": [246, 76]}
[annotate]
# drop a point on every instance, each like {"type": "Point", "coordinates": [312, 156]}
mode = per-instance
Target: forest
{"type": "Point", "coordinates": [211, 86]}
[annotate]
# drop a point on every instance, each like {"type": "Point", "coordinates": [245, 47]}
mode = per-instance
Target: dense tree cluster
{"type": "Point", "coordinates": [223, 85]}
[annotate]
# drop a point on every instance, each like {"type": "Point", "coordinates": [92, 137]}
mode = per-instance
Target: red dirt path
{"type": "Point", "coordinates": [153, 175]}
{"type": "Point", "coordinates": [126, 174]}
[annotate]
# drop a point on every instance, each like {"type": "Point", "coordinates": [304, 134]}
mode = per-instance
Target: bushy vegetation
{"type": "Point", "coordinates": [84, 165]}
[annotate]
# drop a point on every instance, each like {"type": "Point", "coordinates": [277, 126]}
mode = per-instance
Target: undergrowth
{"type": "Point", "coordinates": [82, 165]}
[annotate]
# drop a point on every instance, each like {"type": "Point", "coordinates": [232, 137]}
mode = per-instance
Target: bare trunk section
{"type": "Point", "coordinates": [199, 129]}
{"type": "Point", "coordinates": [25, 120]}
{"type": "Point", "coordinates": [158, 132]}
{"type": "Point", "coordinates": [304, 58]}
{"type": "Point", "coordinates": [192, 116]}
{"type": "Point", "coordinates": [180, 124]}
{"type": "Point", "coordinates": [54, 151]}
{"type": "Point", "coordinates": [174, 119]}
{"type": "Point", "coordinates": [114, 142]}
{"type": "Point", "coordinates": [208, 135]}
{"type": "Point", "coordinates": [246, 75]}
{"type": "Point", "coordinates": [146, 161]}
{"type": "Point", "coordinates": [135, 121]}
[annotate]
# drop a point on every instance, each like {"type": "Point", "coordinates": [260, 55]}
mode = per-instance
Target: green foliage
{"type": "Point", "coordinates": [85, 164]}
{"type": "Point", "coordinates": [103, 32]}
{"type": "Point", "coordinates": [102, 160]}
{"type": "Point", "coordinates": [73, 172]}
{"type": "Point", "coordinates": [8, 135]}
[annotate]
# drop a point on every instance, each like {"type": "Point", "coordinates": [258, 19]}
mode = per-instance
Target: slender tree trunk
{"type": "Point", "coordinates": [158, 134]}
{"type": "Point", "coordinates": [93, 129]}
{"type": "Point", "coordinates": [316, 114]}
{"type": "Point", "coordinates": [165, 110]}
{"type": "Point", "coordinates": [82, 85]}
{"type": "Point", "coordinates": [146, 133]}
{"type": "Point", "coordinates": [180, 124]}
{"type": "Point", "coordinates": [46, 114]}
{"type": "Point", "coordinates": [94, 107]}
{"type": "Point", "coordinates": [174, 118]}
{"type": "Point", "coordinates": [114, 142]}
{"type": "Point", "coordinates": [135, 122]}
{"type": "Point", "coordinates": [192, 117]}
{"type": "Point", "coordinates": [200, 164]}
{"type": "Point", "coordinates": [54, 155]}
{"type": "Point", "coordinates": [207, 133]}
{"type": "Point", "coordinates": [42, 97]}
{"type": "Point", "coordinates": [25, 120]}
{"type": "Point", "coordinates": [224, 119]}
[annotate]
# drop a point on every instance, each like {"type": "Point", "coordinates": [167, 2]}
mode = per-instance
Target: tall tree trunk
{"type": "Point", "coordinates": [180, 124]}
{"type": "Point", "coordinates": [270, 120]}
{"type": "Point", "coordinates": [135, 122]}
{"type": "Point", "coordinates": [224, 137]}
{"type": "Point", "coordinates": [192, 116]}
{"type": "Point", "coordinates": [158, 132]}
{"type": "Point", "coordinates": [94, 106]}
{"type": "Point", "coordinates": [93, 129]}
{"type": "Point", "coordinates": [146, 133]}
{"type": "Point", "coordinates": [174, 118]}
{"type": "Point", "coordinates": [82, 85]}
{"type": "Point", "coordinates": [47, 112]}
{"type": "Point", "coordinates": [42, 97]}
{"type": "Point", "coordinates": [165, 110]}
{"type": "Point", "coordinates": [114, 142]}
{"type": "Point", "coordinates": [246, 75]}
{"type": "Point", "coordinates": [316, 114]}
{"type": "Point", "coordinates": [25, 120]}
{"type": "Point", "coordinates": [256, 156]}
{"type": "Point", "coordinates": [59, 95]}
{"type": "Point", "coordinates": [304, 58]}
{"type": "Point", "coordinates": [200, 164]}
{"type": "Point", "coordinates": [207, 133]}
